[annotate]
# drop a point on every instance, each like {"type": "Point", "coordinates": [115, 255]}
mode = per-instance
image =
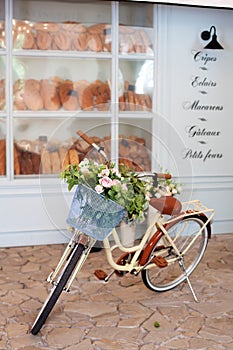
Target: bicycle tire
{"type": "Point", "coordinates": [57, 289]}
{"type": "Point", "coordinates": [169, 277]}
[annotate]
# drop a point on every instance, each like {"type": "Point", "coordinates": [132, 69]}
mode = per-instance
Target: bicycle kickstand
{"type": "Point", "coordinates": [181, 262]}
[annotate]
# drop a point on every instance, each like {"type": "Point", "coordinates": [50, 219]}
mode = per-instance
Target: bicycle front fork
{"type": "Point", "coordinates": [78, 238]}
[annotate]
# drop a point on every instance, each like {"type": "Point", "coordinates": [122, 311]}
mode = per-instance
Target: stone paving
{"type": "Point", "coordinates": [119, 314]}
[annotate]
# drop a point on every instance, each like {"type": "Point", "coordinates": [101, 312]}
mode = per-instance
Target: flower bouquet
{"type": "Point", "coordinates": [122, 186]}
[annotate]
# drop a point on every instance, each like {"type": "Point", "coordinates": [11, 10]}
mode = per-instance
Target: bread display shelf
{"type": "Point", "coordinates": [55, 94]}
{"type": "Point", "coordinates": [76, 36]}
{"type": "Point", "coordinates": [42, 157]}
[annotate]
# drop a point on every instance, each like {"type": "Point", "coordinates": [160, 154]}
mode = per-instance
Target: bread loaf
{"type": "Point", "coordinates": [31, 95]}
{"type": "Point", "coordinates": [3, 157]}
{"type": "Point", "coordinates": [68, 96]}
{"type": "Point", "coordinates": [36, 161]}
{"type": "Point", "coordinates": [45, 162]}
{"type": "Point", "coordinates": [55, 162]}
{"type": "Point", "coordinates": [49, 94]}
{"type": "Point", "coordinates": [85, 95]}
{"type": "Point", "coordinates": [43, 40]}
{"type": "Point", "coordinates": [16, 161]}
{"type": "Point", "coordinates": [62, 40]}
{"type": "Point", "coordinates": [80, 41]}
{"type": "Point", "coordinates": [94, 43]}
{"type": "Point", "coordinates": [73, 156]}
{"type": "Point", "coordinates": [64, 157]}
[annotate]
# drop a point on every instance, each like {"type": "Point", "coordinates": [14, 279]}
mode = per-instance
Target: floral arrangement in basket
{"type": "Point", "coordinates": [122, 186]}
{"type": "Point", "coordinates": [165, 187]}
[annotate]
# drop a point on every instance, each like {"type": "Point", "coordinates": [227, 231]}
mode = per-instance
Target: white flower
{"type": "Point", "coordinates": [116, 172]}
{"type": "Point", "coordinates": [84, 163]}
{"type": "Point", "coordinates": [104, 172]}
{"type": "Point", "coordinates": [99, 189]}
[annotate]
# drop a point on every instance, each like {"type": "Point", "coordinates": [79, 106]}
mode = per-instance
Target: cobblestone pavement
{"type": "Point", "coordinates": [120, 314]}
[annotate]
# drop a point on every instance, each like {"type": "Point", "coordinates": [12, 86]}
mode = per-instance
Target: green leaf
{"type": "Point", "coordinates": [156, 324]}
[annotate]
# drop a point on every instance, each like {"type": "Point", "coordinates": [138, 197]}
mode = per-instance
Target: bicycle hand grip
{"type": "Point", "coordinates": [164, 176]}
{"type": "Point", "coordinates": [84, 137]}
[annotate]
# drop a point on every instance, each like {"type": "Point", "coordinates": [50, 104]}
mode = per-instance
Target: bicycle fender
{"type": "Point", "coordinates": [158, 234]}
{"type": "Point", "coordinates": [149, 247]}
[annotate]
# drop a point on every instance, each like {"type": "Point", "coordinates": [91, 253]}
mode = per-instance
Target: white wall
{"type": "Point", "coordinates": [200, 140]}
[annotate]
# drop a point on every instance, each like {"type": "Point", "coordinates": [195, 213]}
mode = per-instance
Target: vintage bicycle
{"type": "Point", "coordinates": [165, 258]}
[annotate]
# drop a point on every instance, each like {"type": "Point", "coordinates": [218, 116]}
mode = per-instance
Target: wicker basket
{"type": "Point", "coordinates": [93, 214]}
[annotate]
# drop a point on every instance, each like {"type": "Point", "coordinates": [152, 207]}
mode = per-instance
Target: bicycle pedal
{"type": "Point", "coordinates": [160, 261]}
{"type": "Point", "coordinates": [100, 274]}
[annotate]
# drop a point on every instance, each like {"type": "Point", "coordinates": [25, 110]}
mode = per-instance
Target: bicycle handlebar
{"type": "Point", "coordinates": [100, 149]}
{"type": "Point", "coordinates": [164, 176]}
{"type": "Point", "coordinates": [84, 137]}
{"type": "Point", "coordinates": [93, 144]}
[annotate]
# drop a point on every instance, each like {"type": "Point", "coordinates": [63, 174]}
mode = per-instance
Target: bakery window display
{"type": "Point", "coordinates": [135, 40]}
{"type": "Point", "coordinates": [136, 25]}
{"type": "Point", "coordinates": [55, 93]}
{"type": "Point", "coordinates": [76, 36]}
{"type": "Point", "coordinates": [130, 100]}
{"type": "Point", "coordinates": [65, 60]}
{"type": "Point", "coordinates": [64, 36]}
{"type": "Point", "coordinates": [40, 156]}
{"type": "Point", "coordinates": [134, 153]}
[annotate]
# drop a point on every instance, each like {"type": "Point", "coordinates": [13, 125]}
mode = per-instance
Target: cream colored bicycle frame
{"type": "Point", "coordinates": [190, 208]}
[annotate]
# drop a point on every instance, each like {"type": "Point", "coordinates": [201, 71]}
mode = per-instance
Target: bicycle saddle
{"type": "Point", "coordinates": [166, 205]}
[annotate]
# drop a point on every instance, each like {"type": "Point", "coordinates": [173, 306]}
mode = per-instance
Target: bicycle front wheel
{"type": "Point", "coordinates": [57, 289]}
{"type": "Point", "coordinates": [191, 247]}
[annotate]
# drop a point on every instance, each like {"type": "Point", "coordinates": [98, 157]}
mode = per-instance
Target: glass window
{"type": "Point", "coordinates": [135, 139]}
{"type": "Point", "coordinates": [136, 85]}
{"type": "Point", "coordinates": [61, 84]}
{"type": "Point", "coordinates": [136, 28]}
{"type": "Point", "coordinates": [63, 26]}
{"type": "Point", "coordinates": [47, 146]}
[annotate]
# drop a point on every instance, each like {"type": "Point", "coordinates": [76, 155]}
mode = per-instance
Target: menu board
{"type": "Point", "coordinates": [200, 89]}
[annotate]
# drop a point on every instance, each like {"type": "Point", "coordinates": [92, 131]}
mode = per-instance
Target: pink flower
{"type": "Point", "coordinates": [115, 182]}
{"type": "Point", "coordinates": [99, 189]}
{"type": "Point", "coordinates": [124, 187]}
{"type": "Point", "coordinates": [106, 182]}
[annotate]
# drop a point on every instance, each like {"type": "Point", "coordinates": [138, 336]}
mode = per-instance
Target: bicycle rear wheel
{"type": "Point", "coordinates": [182, 232]}
{"type": "Point", "coordinates": [57, 289]}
